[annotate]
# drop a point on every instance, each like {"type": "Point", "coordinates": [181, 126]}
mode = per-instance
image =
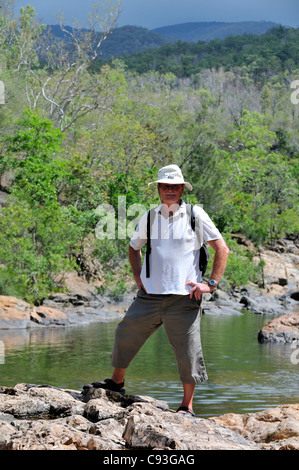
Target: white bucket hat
{"type": "Point", "coordinates": [171, 174]}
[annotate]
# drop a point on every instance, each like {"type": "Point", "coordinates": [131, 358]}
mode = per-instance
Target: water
{"type": "Point", "coordinates": [244, 375]}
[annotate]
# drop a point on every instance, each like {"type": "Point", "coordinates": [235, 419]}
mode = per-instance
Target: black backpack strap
{"type": "Point", "coordinates": [203, 251]}
{"type": "Point", "coordinates": [148, 245]}
{"type": "Point", "coordinates": [203, 258]}
{"type": "Point", "coordinates": [192, 218]}
{"type": "Point", "coordinates": [150, 220]}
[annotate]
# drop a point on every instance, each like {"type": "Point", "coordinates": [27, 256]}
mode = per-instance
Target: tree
{"type": "Point", "coordinates": [261, 186]}
{"type": "Point", "coordinates": [39, 236]}
{"type": "Point", "coordinates": [31, 153]}
{"type": "Point", "coordinates": [58, 71]}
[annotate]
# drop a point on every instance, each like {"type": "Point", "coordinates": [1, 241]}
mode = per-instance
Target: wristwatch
{"type": "Point", "coordinates": [212, 283]}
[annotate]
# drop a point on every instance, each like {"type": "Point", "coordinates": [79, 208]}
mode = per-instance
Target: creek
{"type": "Point", "coordinates": [244, 375]}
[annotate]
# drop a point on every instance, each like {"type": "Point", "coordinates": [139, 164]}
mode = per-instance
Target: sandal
{"type": "Point", "coordinates": [108, 384]}
{"type": "Point", "coordinates": [185, 410]}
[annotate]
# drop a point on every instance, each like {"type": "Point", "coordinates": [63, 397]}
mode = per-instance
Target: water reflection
{"type": "Point", "coordinates": [244, 375]}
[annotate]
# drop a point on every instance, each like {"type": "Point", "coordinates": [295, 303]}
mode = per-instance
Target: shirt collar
{"type": "Point", "coordinates": [163, 210]}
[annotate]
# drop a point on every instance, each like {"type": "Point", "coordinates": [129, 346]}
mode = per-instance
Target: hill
{"type": "Point", "coordinates": [128, 40]}
{"type": "Point", "coordinates": [206, 31]}
{"type": "Point", "coordinates": [262, 55]}
{"type": "Point", "coordinates": [122, 41]}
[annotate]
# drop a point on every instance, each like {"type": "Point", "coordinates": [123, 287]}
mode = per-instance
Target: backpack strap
{"type": "Point", "coordinates": [150, 219]}
{"type": "Point", "coordinates": [203, 251]}
{"type": "Point", "coordinates": [148, 245]}
{"type": "Point", "coordinates": [192, 218]}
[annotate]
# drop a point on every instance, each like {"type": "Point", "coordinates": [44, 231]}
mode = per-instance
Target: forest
{"type": "Point", "coordinates": [78, 133]}
{"type": "Point", "coordinates": [261, 56]}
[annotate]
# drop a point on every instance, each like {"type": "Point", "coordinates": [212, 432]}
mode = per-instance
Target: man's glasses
{"type": "Point", "coordinates": [174, 187]}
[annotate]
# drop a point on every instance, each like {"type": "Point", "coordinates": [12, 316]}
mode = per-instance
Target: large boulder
{"type": "Point", "coordinates": [47, 316]}
{"type": "Point", "coordinates": [273, 429]}
{"type": "Point", "coordinates": [281, 266]}
{"type": "Point", "coordinates": [284, 329]}
{"type": "Point", "coordinates": [18, 314]}
{"type": "Point", "coordinates": [14, 313]}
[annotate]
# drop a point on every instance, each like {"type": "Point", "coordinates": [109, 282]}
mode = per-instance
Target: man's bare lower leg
{"type": "Point", "coordinates": [188, 395]}
{"type": "Point", "coordinates": [118, 375]}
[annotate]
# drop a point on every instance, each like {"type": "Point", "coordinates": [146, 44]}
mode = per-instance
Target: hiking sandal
{"type": "Point", "coordinates": [185, 410]}
{"type": "Point", "coordinates": [107, 384]}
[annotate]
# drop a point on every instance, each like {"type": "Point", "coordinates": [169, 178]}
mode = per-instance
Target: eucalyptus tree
{"type": "Point", "coordinates": [56, 72]}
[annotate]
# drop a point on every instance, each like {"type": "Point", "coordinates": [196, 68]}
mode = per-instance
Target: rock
{"type": "Point", "coordinates": [280, 267]}
{"type": "Point", "coordinates": [273, 429]}
{"type": "Point", "coordinates": [14, 313]}
{"type": "Point", "coordinates": [212, 308]}
{"type": "Point", "coordinates": [221, 303]}
{"type": "Point", "coordinates": [266, 302]}
{"type": "Point", "coordinates": [78, 287]}
{"type": "Point", "coordinates": [41, 417]}
{"type": "Point", "coordinates": [294, 295]}
{"type": "Point", "coordinates": [147, 428]}
{"type": "Point", "coordinates": [284, 329]}
{"type": "Point", "coordinates": [48, 316]}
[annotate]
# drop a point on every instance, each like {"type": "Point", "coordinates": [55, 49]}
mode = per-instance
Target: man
{"type": "Point", "coordinates": [171, 293]}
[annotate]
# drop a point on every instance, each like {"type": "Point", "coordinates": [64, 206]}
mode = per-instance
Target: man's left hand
{"type": "Point", "coordinates": [198, 289]}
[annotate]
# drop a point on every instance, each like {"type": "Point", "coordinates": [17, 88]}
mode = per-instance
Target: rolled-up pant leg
{"type": "Point", "coordinates": [182, 324]}
{"type": "Point", "coordinates": [142, 319]}
{"type": "Point", "coordinates": [181, 317]}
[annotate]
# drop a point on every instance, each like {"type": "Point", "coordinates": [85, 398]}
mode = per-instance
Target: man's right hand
{"type": "Point", "coordinates": [139, 283]}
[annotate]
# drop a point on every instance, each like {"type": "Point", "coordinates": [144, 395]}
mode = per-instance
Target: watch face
{"type": "Point", "coordinates": [212, 282]}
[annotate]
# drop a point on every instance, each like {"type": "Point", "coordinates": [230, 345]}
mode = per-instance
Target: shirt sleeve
{"type": "Point", "coordinates": [140, 236]}
{"type": "Point", "coordinates": [210, 231]}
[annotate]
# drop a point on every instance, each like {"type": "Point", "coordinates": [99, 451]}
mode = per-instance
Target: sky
{"type": "Point", "coordinates": [153, 14]}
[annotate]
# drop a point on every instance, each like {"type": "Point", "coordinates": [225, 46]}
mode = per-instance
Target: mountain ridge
{"type": "Point", "coordinates": [209, 30]}
{"type": "Point", "coordinates": [129, 39]}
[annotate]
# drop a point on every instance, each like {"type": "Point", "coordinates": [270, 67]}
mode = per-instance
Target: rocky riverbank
{"type": "Point", "coordinates": [41, 417]}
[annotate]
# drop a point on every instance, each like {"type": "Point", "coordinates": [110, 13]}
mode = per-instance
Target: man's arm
{"type": "Point", "coordinates": [135, 261]}
{"type": "Point", "coordinates": [221, 254]}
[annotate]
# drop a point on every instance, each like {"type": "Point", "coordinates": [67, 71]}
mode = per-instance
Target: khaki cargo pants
{"type": "Point", "coordinates": [180, 316]}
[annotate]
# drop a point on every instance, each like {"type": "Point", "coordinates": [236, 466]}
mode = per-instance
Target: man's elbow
{"type": "Point", "coordinates": [226, 249]}
{"type": "Point", "coordinates": [220, 246]}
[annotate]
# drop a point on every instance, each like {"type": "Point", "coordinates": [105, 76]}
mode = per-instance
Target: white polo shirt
{"type": "Point", "coordinates": [175, 247]}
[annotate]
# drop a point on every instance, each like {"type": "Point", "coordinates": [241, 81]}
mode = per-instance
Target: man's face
{"type": "Point", "coordinates": [170, 193]}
